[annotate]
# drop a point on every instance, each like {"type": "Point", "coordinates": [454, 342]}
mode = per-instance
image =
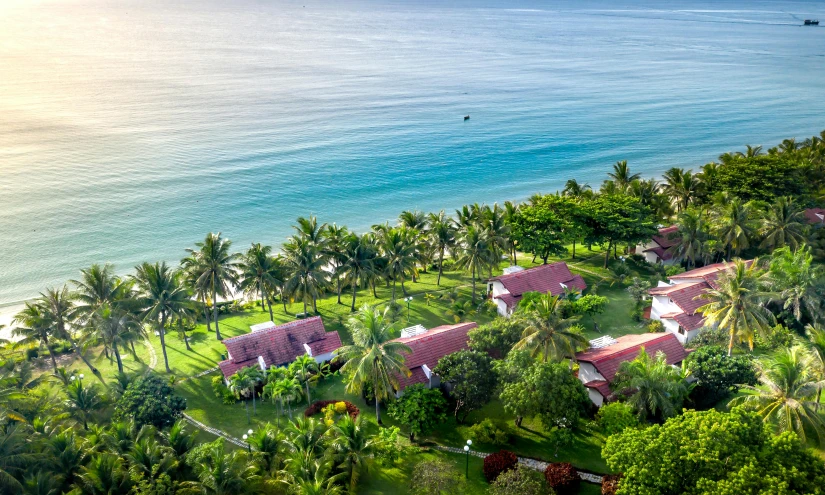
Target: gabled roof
{"type": "Point", "coordinates": [606, 360]}
{"type": "Point", "coordinates": [600, 386]}
{"type": "Point", "coordinates": [430, 346]}
{"type": "Point", "coordinates": [815, 215]}
{"type": "Point", "coordinates": [544, 279]}
{"type": "Point", "coordinates": [279, 344]}
{"type": "Point", "coordinates": [687, 296]}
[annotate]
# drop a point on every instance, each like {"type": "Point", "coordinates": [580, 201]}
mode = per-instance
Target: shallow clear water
{"type": "Point", "coordinates": [130, 129]}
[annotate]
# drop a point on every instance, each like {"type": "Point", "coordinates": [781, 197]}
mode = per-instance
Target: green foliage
{"type": "Point", "coordinates": [519, 481]}
{"type": "Point", "coordinates": [487, 432]}
{"type": "Point", "coordinates": [710, 336]}
{"type": "Point", "coordinates": [499, 336]}
{"type": "Point", "coordinates": [387, 448]}
{"type": "Point", "coordinates": [763, 177]}
{"type": "Point", "coordinates": [471, 379]}
{"type": "Point", "coordinates": [549, 391]}
{"type": "Point", "coordinates": [712, 452]}
{"type": "Point", "coordinates": [613, 218]}
{"type": "Point", "coordinates": [545, 226]}
{"type": "Point", "coordinates": [221, 391]}
{"type": "Point", "coordinates": [656, 326]}
{"type": "Point", "coordinates": [654, 388]}
{"type": "Point", "coordinates": [778, 337]}
{"type": "Point", "coordinates": [420, 409]}
{"type": "Point", "coordinates": [673, 270]}
{"type": "Point", "coordinates": [614, 417]}
{"type": "Point", "coordinates": [590, 304]}
{"type": "Point", "coordinates": [717, 374]}
{"type": "Point", "coordinates": [435, 477]}
{"type": "Point", "coordinates": [150, 400]}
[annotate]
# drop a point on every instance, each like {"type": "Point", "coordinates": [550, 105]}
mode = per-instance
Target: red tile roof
{"type": "Point", "coordinates": [689, 322]}
{"type": "Point", "coordinates": [430, 346]}
{"type": "Point", "coordinates": [815, 215]}
{"type": "Point", "coordinates": [230, 367]}
{"type": "Point", "coordinates": [544, 279]}
{"type": "Point", "coordinates": [661, 252]}
{"type": "Point", "coordinates": [664, 238]}
{"type": "Point", "coordinates": [607, 359]}
{"type": "Point", "coordinates": [601, 386]}
{"type": "Point", "coordinates": [280, 344]}
{"type": "Point", "coordinates": [687, 296]}
{"type": "Point", "coordinates": [667, 289]}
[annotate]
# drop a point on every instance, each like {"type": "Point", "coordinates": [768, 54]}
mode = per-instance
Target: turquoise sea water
{"type": "Point", "coordinates": [129, 129]}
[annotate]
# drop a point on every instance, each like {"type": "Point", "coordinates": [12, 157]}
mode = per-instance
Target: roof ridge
{"type": "Point", "coordinates": [289, 324]}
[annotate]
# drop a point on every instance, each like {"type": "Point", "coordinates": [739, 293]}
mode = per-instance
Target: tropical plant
{"type": "Point", "coordinates": [654, 388]}
{"type": "Point", "coordinates": [691, 235]}
{"type": "Point", "coordinates": [352, 447]}
{"type": "Point", "coordinates": [547, 333]}
{"type": "Point", "coordinates": [217, 270]}
{"type": "Point", "coordinates": [33, 327]}
{"type": "Point", "coordinates": [260, 274]}
{"type": "Point", "coordinates": [442, 238]}
{"type": "Point", "coordinates": [357, 263]}
{"type": "Point", "coordinates": [305, 370]}
{"type": "Point", "coordinates": [621, 175]}
{"type": "Point", "coordinates": [476, 253]}
{"type": "Point", "coordinates": [304, 264]}
{"type": "Point", "coordinates": [400, 251]}
{"type": "Point", "coordinates": [734, 226]}
{"type": "Point", "coordinates": [83, 402]}
{"type": "Point", "coordinates": [783, 225]}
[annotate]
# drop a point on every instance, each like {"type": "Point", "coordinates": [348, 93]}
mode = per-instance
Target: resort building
{"type": "Point", "coordinates": [675, 303]}
{"type": "Point", "coordinates": [428, 346]}
{"type": "Point", "coordinates": [506, 290]}
{"type": "Point", "coordinates": [656, 249]}
{"type": "Point", "coordinates": [599, 364]}
{"type": "Point", "coordinates": [815, 216]}
{"type": "Point", "coordinates": [269, 344]}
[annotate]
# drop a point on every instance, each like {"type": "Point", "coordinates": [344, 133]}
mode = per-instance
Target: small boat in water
{"type": "Point", "coordinates": [466, 117]}
{"type": "Point", "coordinates": [811, 22]}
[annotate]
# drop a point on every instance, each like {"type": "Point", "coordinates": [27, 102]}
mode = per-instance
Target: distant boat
{"type": "Point", "coordinates": [811, 22]}
{"type": "Point", "coordinates": [466, 117]}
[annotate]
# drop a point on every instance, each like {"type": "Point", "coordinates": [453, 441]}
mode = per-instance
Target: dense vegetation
{"type": "Point", "coordinates": [118, 431]}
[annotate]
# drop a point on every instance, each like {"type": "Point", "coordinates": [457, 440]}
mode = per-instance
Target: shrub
{"type": "Point", "coordinates": [610, 484]}
{"type": "Point", "coordinates": [779, 337]}
{"type": "Point", "coordinates": [710, 336]}
{"type": "Point", "coordinates": [673, 270]}
{"type": "Point", "coordinates": [387, 448]}
{"type": "Point", "coordinates": [615, 417]}
{"type": "Point", "coordinates": [655, 326]}
{"type": "Point", "coordinates": [32, 353]}
{"type": "Point", "coordinates": [519, 481]}
{"type": "Point", "coordinates": [222, 391]}
{"type": "Point", "coordinates": [150, 400]}
{"type": "Point", "coordinates": [488, 432]}
{"type": "Point", "coordinates": [562, 477]}
{"type": "Point", "coordinates": [637, 313]}
{"type": "Point", "coordinates": [340, 407]}
{"type": "Point", "coordinates": [320, 405]}
{"type": "Point", "coordinates": [436, 477]}
{"type": "Point", "coordinates": [497, 463]}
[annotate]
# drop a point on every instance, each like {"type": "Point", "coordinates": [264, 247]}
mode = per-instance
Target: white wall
{"type": "Point", "coordinates": [497, 288]}
{"type": "Point", "coordinates": [595, 396]}
{"type": "Point", "coordinates": [588, 373]}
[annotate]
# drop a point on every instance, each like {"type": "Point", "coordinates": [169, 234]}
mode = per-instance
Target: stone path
{"type": "Point", "coordinates": [215, 431]}
{"type": "Point", "coordinates": [525, 461]}
{"type": "Point", "coordinates": [153, 356]}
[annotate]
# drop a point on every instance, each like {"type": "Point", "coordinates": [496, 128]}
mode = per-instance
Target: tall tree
{"type": "Point", "coordinates": [260, 273]}
{"type": "Point", "coordinates": [305, 370]}
{"type": "Point", "coordinates": [57, 305]}
{"type": "Point", "coordinates": [617, 218]}
{"type": "Point", "coordinates": [218, 270]}
{"type": "Point", "coordinates": [621, 175]}
{"type": "Point", "coordinates": [334, 243]}
{"type": "Point", "coordinates": [783, 225]}
{"type": "Point", "coordinates": [734, 225]}
{"type": "Point", "coordinates": [160, 297]}
{"type": "Point", "coordinates": [548, 333]}
{"type": "Point", "coordinates": [304, 265]}
{"type": "Point", "coordinates": [442, 237]}
{"type": "Point", "coordinates": [358, 262]}
{"type": "Point", "coordinates": [372, 359]}
{"type": "Point", "coordinates": [476, 253]}
{"type": "Point", "coordinates": [34, 328]}
{"type": "Point", "coordinates": [399, 248]}
{"type": "Point", "coordinates": [691, 235]}
{"type": "Point", "coordinates": [655, 389]}
{"type": "Point", "coordinates": [797, 283]}
{"type": "Point", "coordinates": [352, 447]}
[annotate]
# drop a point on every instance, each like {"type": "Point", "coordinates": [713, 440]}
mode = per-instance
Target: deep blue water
{"type": "Point", "coordinates": [130, 129]}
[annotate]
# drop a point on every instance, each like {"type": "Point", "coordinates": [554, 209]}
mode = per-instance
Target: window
{"type": "Point", "coordinates": [681, 330]}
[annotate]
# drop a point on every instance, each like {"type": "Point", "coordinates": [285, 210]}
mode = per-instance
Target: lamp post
{"type": "Point", "coordinates": [467, 451]}
{"type": "Point", "coordinates": [409, 300]}
{"type": "Point", "coordinates": [246, 440]}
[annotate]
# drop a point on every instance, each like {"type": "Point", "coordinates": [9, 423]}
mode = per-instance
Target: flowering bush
{"type": "Point", "coordinates": [562, 477]}
{"type": "Point", "coordinates": [497, 463]}
{"type": "Point", "coordinates": [320, 405]}
{"type": "Point", "coordinates": [610, 484]}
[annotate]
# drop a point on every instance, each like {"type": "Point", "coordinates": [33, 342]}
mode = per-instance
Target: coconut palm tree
{"type": "Point", "coordinates": [475, 253]}
{"type": "Point", "coordinates": [305, 370]}
{"type": "Point", "coordinates": [372, 359]}
{"type": "Point", "coordinates": [304, 267]}
{"type": "Point", "coordinates": [352, 447]}
{"type": "Point", "coordinates": [288, 389]}
{"type": "Point", "coordinates": [750, 152]}
{"type": "Point", "coordinates": [415, 220]}
{"type": "Point", "coordinates": [334, 242]}
{"type": "Point", "coordinates": [683, 187]}
{"type": "Point", "coordinates": [548, 333]}
{"type": "Point", "coordinates": [222, 473]}
{"type": "Point", "coordinates": [106, 474]}
{"type": "Point", "coordinates": [57, 306]}
{"type": "Point", "coordinates": [15, 456]}
{"type": "Point", "coordinates": [510, 211]}
{"type": "Point", "coordinates": [98, 286]}
{"type": "Point", "coordinates": [358, 262]}
{"type": "Point", "coordinates": [243, 384]}
{"type": "Point", "coordinates": [498, 234]}
{"type": "Point", "coordinates": [310, 230]}
{"type": "Point", "coordinates": [690, 236]}
{"type": "Point", "coordinates": [34, 327]}
{"type": "Point", "coordinates": [621, 175]}
{"type": "Point", "coordinates": [654, 388]}
{"type": "Point", "coordinates": [734, 226]}
{"type": "Point", "coordinates": [260, 274]}
{"type": "Point", "coordinates": [797, 282]}
{"type": "Point", "coordinates": [217, 269]}
{"type": "Point", "coordinates": [816, 346]}
{"type": "Point", "coordinates": [83, 401]}
{"type": "Point", "coordinates": [272, 390]}
{"type": "Point", "coordinates": [160, 297]}
{"type": "Point", "coordinates": [783, 225]}
{"type": "Point", "coordinates": [735, 305]}
{"type": "Point", "coordinates": [400, 251]}
{"type": "Point", "coordinates": [115, 328]}
{"type": "Point", "coordinates": [576, 190]}
{"type": "Point", "coordinates": [441, 238]}
{"type": "Point", "coordinates": [190, 273]}
{"type": "Point", "coordinates": [784, 397]}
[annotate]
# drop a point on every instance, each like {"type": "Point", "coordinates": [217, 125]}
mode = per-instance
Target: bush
{"type": "Point", "coordinates": [488, 432]}
{"type": "Point", "coordinates": [150, 400]}
{"type": "Point", "coordinates": [519, 481]}
{"type": "Point", "coordinates": [638, 313]}
{"type": "Point", "coordinates": [320, 405]}
{"type": "Point", "coordinates": [32, 353]}
{"type": "Point", "coordinates": [674, 270]}
{"type": "Point", "coordinates": [562, 477]}
{"type": "Point", "coordinates": [436, 477]}
{"type": "Point", "coordinates": [222, 391]}
{"type": "Point", "coordinates": [710, 336]}
{"type": "Point", "coordinates": [497, 463]}
{"type": "Point", "coordinates": [340, 407]}
{"type": "Point", "coordinates": [615, 417]}
{"type": "Point", "coordinates": [610, 484]}
{"type": "Point", "coordinates": [655, 326]}
{"type": "Point", "coordinates": [779, 337]}
{"type": "Point", "coordinates": [387, 448]}
{"type": "Point", "coordinates": [717, 374]}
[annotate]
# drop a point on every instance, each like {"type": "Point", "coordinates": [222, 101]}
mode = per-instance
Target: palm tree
{"type": "Point", "coordinates": [655, 388]}
{"type": "Point", "coordinates": [816, 346]}
{"type": "Point", "coordinates": [621, 175]}
{"type": "Point", "coordinates": [243, 384]}
{"type": "Point", "coordinates": [787, 385]}
{"type": "Point", "coordinates": [373, 359]}
{"type": "Point", "coordinates": [288, 389]}
{"type": "Point", "coordinates": [259, 273]}
{"type": "Point", "coordinates": [734, 226]}
{"type": "Point", "coordinates": [683, 187]}
{"type": "Point", "coordinates": [750, 151]}
{"type": "Point", "coordinates": [441, 237]}
{"type": "Point", "coordinates": [459, 310]}
{"type": "Point", "coordinates": [98, 286]}
{"type": "Point", "coordinates": [510, 211]}
{"type": "Point", "coordinates": [191, 271]}
{"type": "Point", "coordinates": [783, 225]}
{"type": "Point", "coordinates": [309, 230]}
{"type": "Point", "coordinates": [691, 235]}
{"type": "Point", "coordinates": [305, 370]}
{"type": "Point", "coordinates": [574, 189]}
{"type": "Point", "coordinates": [57, 306]}
{"type": "Point", "coordinates": [15, 456]}
{"type": "Point", "coordinates": [66, 453]}
{"type": "Point", "coordinates": [788, 145]}
{"type": "Point", "coordinates": [797, 281]}
{"type": "Point", "coordinates": [83, 402]}
{"type": "Point", "coordinates": [358, 262]}
{"type": "Point", "coordinates": [115, 328]}
{"type": "Point", "coordinates": [334, 242]}
{"type": "Point", "coordinates": [401, 254]}
{"type": "Point", "coordinates": [476, 253]}
{"type": "Point", "coordinates": [217, 269]}
{"type": "Point", "coordinates": [548, 333]}
{"type": "Point", "coordinates": [222, 473]}
{"type": "Point", "coordinates": [104, 475]}
{"type": "Point", "coordinates": [320, 480]}
{"type": "Point", "coordinates": [160, 297]}
{"type": "Point", "coordinates": [272, 390]}
{"type": "Point", "coordinates": [498, 234]}
{"type": "Point", "coordinates": [735, 304]}
{"type": "Point", "coordinates": [34, 327]}
{"type": "Point", "coordinates": [353, 448]}
{"type": "Point", "coordinates": [304, 265]}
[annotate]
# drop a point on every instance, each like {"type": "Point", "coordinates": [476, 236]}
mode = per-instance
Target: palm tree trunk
{"type": "Point", "coordinates": [215, 311]}
{"type": "Point", "coordinates": [377, 411]}
{"type": "Point", "coordinates": [117, 357]}
{"type": "Point", "coordinates": [246, 407]}
{"type": "Point", "coordinates": [440, 267]}
{"type": "Point", "coordinates": [338, 286]}
{"type": "Point", "coordinates": [574, 248]}
{"type": "Point", "coordinates": [403, 288]}
{"type": "Point", "coordinates": [305, 304]}
{"type": "Point", "coordinates": [261, 290]}
{"type": "Point", "coordinates": [308, 400]}
{"type": "Point", "coordinates": [206, 313]}
{"type": "Point", "coordinates": [393, 289]}
{"type": "Point", "coordinates": [51, 354]}
{"type": "Point", "coordinates": [730, 343]}
{"type": "Point", "coordinates": [269, 305]}
{"type": "Point", "coordinates": [354, 290]}
{"type": "Point", "coordinates": [314, 304]}
{"type": "Point", "coordinates": [132, 345]}
{"type": "Point", "coordinates": [163, 341]}
{"type": "Point", "coordinates": [607, 253]}
{"type": "Point", "coordinates": [474, 284]}
{"type": "Point", "coordinates": [374, 294]}
{"type": "Point", "coordinates": [254, 406]}
{"type": "Point", "coordinates": [82, 357]}
{"type": "Point", "coordinates": [283, 300]}
{"type": "Point", "coordinates": [186, 341]}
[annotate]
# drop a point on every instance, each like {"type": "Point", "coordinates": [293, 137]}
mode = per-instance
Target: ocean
{"type": "Point", "coordinates": [129, 129]}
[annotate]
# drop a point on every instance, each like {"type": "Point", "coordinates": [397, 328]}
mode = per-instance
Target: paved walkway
{"type": "Point", "coordinates": [215, 431]}
{"type": "Point", "coordinates": [525, 461]}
